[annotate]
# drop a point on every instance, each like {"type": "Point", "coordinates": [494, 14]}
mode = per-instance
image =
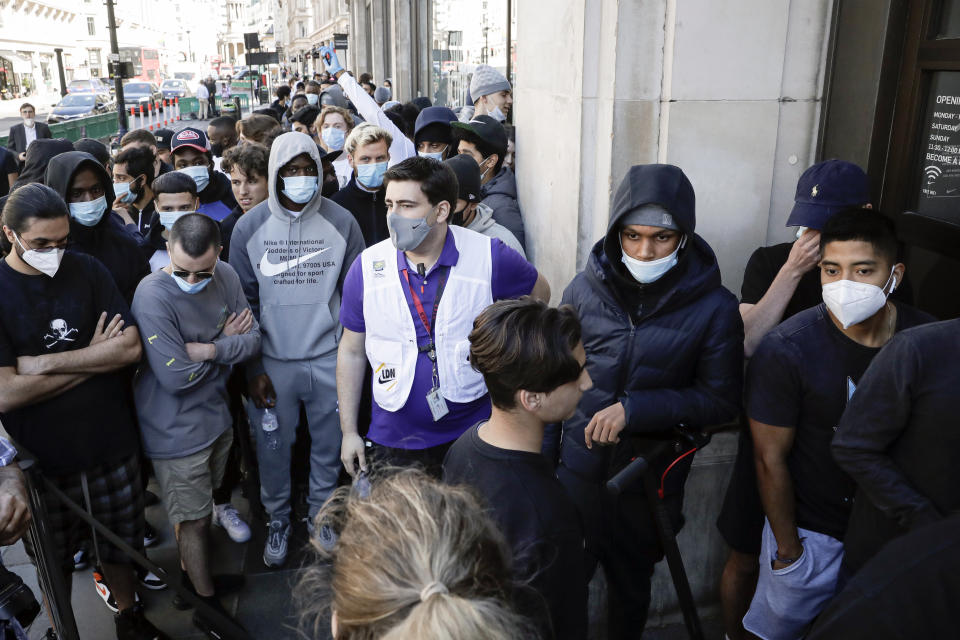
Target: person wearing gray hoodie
{"type": "Point", "coordinates": [292, 253]}
{"type": "Point", "coordinates": [469, 212]}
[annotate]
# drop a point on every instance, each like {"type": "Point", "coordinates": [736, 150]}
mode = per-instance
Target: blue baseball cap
{"type": "Point", "coordinates": [825, 189]}
{"type": "Point", "coordinates": [433, 116]}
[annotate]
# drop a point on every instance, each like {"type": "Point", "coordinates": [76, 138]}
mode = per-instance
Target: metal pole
{"type": "Point", "coordinates": [117, 78]}
{"type": "Point", "coordinates": [49, 570]}
{"type": "Point", "coordinates": [63, 78]}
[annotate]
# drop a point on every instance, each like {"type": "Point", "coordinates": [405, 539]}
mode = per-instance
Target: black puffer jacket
{"type": "Point", "coordinates": [671, 350]}
{"type": "Point", "coordinates": [368, 207]}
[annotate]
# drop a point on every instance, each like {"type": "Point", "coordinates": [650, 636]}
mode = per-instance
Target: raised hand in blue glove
{"type": "Point", "coordinates": [331, 60]}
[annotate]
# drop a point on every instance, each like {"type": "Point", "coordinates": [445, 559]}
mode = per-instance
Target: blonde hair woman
{"type": "Point", "coordinates": [409, 557]}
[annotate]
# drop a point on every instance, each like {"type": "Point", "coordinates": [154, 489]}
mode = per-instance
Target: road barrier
{"type": "Point", "coordinates": [99, 126]}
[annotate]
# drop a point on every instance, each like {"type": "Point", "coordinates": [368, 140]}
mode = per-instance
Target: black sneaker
{"type": "Point", "coordinates": [133, 625]}
{"type": "Point", "coordinates": [213, 629]}
{"type": "Point", "coordinates": [149, 535]}
{"type": "Point", "coordinates": [223, 584]}
{"type": "Point", "coordinates": [149, 580]}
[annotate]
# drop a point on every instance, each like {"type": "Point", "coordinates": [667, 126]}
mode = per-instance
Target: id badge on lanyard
{"type": "Point", "coordinates": [435, 400]}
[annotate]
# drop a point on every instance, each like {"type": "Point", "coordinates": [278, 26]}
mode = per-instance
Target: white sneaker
{"type": "Point", "coordinates": [227, 516]}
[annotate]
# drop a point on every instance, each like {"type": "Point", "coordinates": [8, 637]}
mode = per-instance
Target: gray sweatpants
{"type": "Point", "coordinates": [312, 382]}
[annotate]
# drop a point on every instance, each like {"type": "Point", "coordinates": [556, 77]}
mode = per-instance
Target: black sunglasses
{"type": "Point", "coordinates": [201, 275]}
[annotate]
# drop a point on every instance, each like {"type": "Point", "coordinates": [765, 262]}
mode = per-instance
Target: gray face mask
{"type": "Point", "coordinates": [407, 233]}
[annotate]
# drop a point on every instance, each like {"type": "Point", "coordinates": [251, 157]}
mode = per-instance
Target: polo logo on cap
{"type": "Point", "coordinates": [186, 134]}
{"type": "Point", "coordinates": [814, 191]}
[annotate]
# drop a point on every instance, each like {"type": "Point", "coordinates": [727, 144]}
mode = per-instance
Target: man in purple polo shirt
{"type": "Point", "coordinates": [408, 306]}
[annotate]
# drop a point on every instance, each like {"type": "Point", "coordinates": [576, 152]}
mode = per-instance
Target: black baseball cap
{"type": "Point", "coordinates": [164, 136]}
{"type": "Point", "coordinates": [485, 128]}
{"type": "Point", "coordinates": [468, 177]}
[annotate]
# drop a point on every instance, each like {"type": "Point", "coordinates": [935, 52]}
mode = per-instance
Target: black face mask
{"type": "Point", "coordinates": [216, 149]}
{"type": "Point", "coordinates": [457, 217]}
{"type": "Point", "coordinates": [330, 186]}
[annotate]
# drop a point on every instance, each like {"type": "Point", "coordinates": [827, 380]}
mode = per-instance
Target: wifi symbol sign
{"type": "Point", "coordinates": [932, 172]}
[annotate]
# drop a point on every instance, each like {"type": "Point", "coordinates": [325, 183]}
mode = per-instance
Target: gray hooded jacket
{"type": "Point", "coordinates": [292, 267]}
{"type": "Point", "coordinates": [484, 223]}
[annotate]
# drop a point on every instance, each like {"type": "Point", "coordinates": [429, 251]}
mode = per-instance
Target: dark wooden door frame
{"type": "Point", "coordinates": [921, 55]}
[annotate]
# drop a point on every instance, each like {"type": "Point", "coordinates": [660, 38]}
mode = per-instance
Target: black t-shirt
{"type": "Point", "coordinates": [762, 268]}
{"type": "Point", "coordinates": [8, 165]}
{"type": "Point", "coordinates": [538, 519]}
{"type": "Point", "coordinates": [801, 377]}
{"type": "Point", "coordinates": [92, 423]}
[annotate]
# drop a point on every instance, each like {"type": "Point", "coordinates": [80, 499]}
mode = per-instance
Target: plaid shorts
{"type": "Point", "coordinates": [117, 502]}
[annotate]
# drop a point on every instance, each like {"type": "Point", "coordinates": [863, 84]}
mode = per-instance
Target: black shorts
{"type": "Point", "coordinates": [116, 497]}
{"type": "Point", "coordinates": [741, 518]}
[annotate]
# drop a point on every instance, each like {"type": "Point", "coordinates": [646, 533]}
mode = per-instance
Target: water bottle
{"type": "Point", "coordinates": [270, 426]}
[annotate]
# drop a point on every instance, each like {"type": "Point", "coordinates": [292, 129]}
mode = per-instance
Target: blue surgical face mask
{"type": "Point", "coordinates": [333, 138]}
{"type": "Point", "coordinates": [167, 218]}
{"type": "Point", "coordinates": [200, 175]}
{"type": "Point", "coordinates": [122, 190]}
{"type": "Point", "coordinates": [89, 213]}
{"type": "Point", "coordinates": [436, 155]}
{"type": "Point", "coordinates": [300, 189]}
{"type": "Point", "coordinates": [371, 175]}
{"type": "Point", "coordinates": [191, 288]}
{"type": "Point", "coordinates": [313, 98]}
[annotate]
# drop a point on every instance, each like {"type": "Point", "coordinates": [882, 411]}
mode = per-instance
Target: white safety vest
{"type": "Point", "coordinates": [391, 336]}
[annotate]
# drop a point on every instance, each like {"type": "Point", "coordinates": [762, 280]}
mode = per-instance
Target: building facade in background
{"type": "Point", "coordinates": [166, 34]}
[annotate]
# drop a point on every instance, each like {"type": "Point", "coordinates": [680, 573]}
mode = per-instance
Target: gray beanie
{"type": "Point", "coordinates": [381, 94]}
{"type": "Point", "coordinates": [650, 215]}
{"type": "Point", "coordinates": [487, 80]}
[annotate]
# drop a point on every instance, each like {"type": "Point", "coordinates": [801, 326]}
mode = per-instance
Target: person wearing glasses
{"type": "Point", "coordinates": [67, 343]}
{"type": "Point", "coordinates": [292, 253]}
{"type": "Point", "coordinates": [195, 325]}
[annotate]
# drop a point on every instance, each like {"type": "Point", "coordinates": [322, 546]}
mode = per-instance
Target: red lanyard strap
{"type": "Point", "coordinates": [428, 323]}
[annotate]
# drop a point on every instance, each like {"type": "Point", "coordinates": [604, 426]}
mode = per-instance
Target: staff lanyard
{"type": "Point", "coordinates": [428, 323]}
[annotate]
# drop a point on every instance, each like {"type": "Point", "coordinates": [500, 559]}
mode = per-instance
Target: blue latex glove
{"type": "Point", "coordinates": [331, 60]}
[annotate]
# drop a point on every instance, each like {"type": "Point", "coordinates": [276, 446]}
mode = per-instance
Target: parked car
{"type": "Point", "coordinates": [192, 78]}
{"type": "Point", "coordinates": [175, 88]}
{"type": "Point", "coordinates": [91, 85]}
{"type": "Point", "coordinates": [137, 93]}
{"type": "Point", "coordinates": [80, 105]}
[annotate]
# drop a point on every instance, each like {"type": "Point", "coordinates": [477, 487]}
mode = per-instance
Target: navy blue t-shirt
{"type": "Point", "coordinates": [801, 377]}
{"type": "Point", "coordinates": [92, 423]}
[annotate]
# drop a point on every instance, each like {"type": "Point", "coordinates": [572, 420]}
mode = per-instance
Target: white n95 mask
{"type": "Point", "coordinates": [853, 302]}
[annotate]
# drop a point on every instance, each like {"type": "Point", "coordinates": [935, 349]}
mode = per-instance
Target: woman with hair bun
{"type": "Point", "coordinates": [409, 557]}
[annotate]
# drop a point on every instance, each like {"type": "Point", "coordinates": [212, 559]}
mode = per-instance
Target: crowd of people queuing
{"type": "Point", "coordinates": [344, 263]}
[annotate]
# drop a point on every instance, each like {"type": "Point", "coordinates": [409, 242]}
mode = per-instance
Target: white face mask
{"type": "Point", "coordinates": [46, 262]}
{"type": "Point", "coordinates": [497, 114]}
{"type": "Point", "coordinates": [646, 272]}
{"type": "Point", "coordinates": [853, 302]}
{"type": "Point", "coordinates": [29, 122]}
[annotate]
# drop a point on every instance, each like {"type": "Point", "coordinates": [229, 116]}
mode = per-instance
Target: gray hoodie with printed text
{"type": "Point", "coordinates": [292, 267]}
